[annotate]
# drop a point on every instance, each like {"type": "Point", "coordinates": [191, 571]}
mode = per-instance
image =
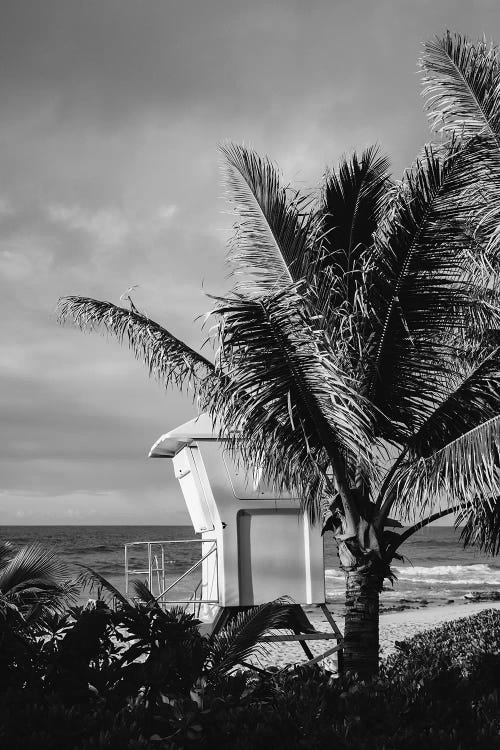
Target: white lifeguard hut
{"type": "Point", "coordinates": [257, 545]}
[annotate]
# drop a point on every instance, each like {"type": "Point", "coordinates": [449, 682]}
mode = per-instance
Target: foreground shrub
{"type": "Point", "coordinates": [31, 720]}
{"type": "Point", "coordinates": [441, 691]}
{"type": "Point", "coordinates": [34, 587]}
{"type": "Point", "coordinates": [456, 649]}
{"type": "Point", "coordinates": [132, 670]}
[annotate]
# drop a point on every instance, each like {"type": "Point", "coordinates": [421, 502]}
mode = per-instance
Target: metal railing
{"type": "Point", "coordinates": [157, 573]}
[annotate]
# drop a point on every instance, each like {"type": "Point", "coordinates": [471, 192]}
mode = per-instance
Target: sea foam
{"type": "Point", "coordinates": [480, 573]}
{"type": "Point", "coordinates": [457, 574]}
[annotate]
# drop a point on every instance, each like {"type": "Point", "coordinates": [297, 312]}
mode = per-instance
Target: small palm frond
{"type": "Point", "coordinates": [465, 470]}
{"type": "Point", "coordinates": [33, 566]}
{"type": "Point", "coordinates": [239, 639]}
{"type": "Point", "coordinates": [348, 214]}
{"type": "Point", "coordinates": [270, 246]}
{"type": "Point", "coordinates": [279, 365]}
{"type": "Point", "coordinates": [143, 593]}
{"type": "Point", "coordinates": [420, 291]}
{"type": "Point", "coordinates": [7, 552]}
{"type": "Point", "coordinates": [473, 402]}
{"type": "Point", "coordinates": [92, 580]}
{"type": "Point", "coordinates": [462, 86]}
{"type": "Point", "coordinates": [168, 359]}
{"type": "Point", "coordinates": [350, 208]}
{"type": "Point", "coordinates": [480, 526]}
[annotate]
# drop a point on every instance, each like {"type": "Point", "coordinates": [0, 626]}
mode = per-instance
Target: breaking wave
{"type": "Point", "coordinates": [457, 574]}
{"type": "Point", "coordinates": [465, 575]}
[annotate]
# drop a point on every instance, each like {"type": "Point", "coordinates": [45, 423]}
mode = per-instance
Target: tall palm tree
{"type": "Point", "coordinates": [357, 357]}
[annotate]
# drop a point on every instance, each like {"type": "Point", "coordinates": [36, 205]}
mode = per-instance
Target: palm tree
{"type": "Point", "coordinates": [34, 582]}
{"type": "Point", "coordinates": [357, 356]}
{"type": "Point", "coordinates": [34, 586]}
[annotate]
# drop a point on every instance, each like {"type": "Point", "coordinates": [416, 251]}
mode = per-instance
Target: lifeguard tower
{"type": "Point", "coordinates": [256, 545]}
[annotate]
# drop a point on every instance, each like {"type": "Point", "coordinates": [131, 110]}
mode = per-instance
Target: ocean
{"type": "Point", "coordinates": [436, 568]}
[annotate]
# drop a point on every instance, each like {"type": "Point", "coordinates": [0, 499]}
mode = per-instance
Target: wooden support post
{"type": "Point", "coordinates": [332, 622]}
{"type": "Point", "coordinates": [302, 628]}
{"type": "Point", "coordinates": [340, 637]}
{"type": "Point", "coordinates": [324, 655]}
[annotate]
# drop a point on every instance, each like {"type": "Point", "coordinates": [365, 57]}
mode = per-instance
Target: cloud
{"type": "Point", "coordinates": [167, 212]}
{"type": "Point", "coordinates": [111, 112]}
{"type": "Point", "coordinates": [88, 508]}
{"type": "Point", "coordinates": [15, 267]}
{"type": "Point", "coordinates": [6, 208]}
{"type": "Point", "coordinates": [108, 228]}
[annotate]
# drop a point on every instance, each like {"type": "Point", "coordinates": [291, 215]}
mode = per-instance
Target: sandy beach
{"type": "Point", "coordinates": [397, 626]}
{"type": "Point", "coordinates": [394, 626]}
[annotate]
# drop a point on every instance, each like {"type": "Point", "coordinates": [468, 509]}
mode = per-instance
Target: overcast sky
{"type": "Point", "coordinates": [111, 114]}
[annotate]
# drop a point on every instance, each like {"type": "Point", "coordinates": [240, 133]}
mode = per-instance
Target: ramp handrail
{"type": "Point", "coordinates": [154, 567]}
{"type": "Point", "coordinates": [189, 570]}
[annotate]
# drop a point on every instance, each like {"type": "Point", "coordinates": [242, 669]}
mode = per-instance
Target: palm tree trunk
{"type": "Point", "coordinates": [361, 644]}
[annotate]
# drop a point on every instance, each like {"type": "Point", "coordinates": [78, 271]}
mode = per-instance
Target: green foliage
{"type": "Point", "coordinates": [34, 588]}
{"type": "Point", "coordinates": [441, 692]}
{"type": "Point", "coordinates": [271, 241]}
{"type": "Point", "coordinates": [34, 582]}
{"type": "Point", "coordinates": [32, 720]}
{"type": "Point", "coordinates": [280, 362]}
{"type": "Point", "coordinates": [98, 676]}
{"type": "Point", "coordinates": [168, 359]}
{"type": "Point", "coordinates": [455, 646]}
{"type": "Point", "coordinates": [481, 528]}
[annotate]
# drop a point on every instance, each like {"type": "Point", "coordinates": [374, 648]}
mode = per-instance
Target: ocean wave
{"type": "Point", "coordinates": [458, 574]}
{"type": "Point", "coordinates": [467, 582]}
{"type": "Point", "coordinates": [465, 575]}
{"type": "Point", "coordinates": [445, 570]}
{"type": "Point", "coordinates": [334, 573]}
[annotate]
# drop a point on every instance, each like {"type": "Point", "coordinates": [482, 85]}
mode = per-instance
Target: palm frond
{"type": "Point", "coordinates": [239, 639]}
{"type": "Point", "coordinates": [421, 294]}
{"type": "Point", "coordinates": [461, 80]}
{"type": "Point", "coordinates": [279, 365]}
{"type": "Point", "coordinates": [168, 359]}
{"type": "Point", "coordinates": [92, 580]}
{"type": "Point", "coordinates": [270, 246]}
{"type": "Point", "coordinates": [480, 526]}
{"type": "Point", "coordinates": [473, 402]}
{"type": "Point", "coordinates": [143, 592]}
{"type": "Point", "coordinates": [462, 87]}
{"type": "Point", "coordinates": [350, 208]}
{"type": "Point", "coordinates": [465, 470]}
{"type": "Point", "coordinates": [7, 551]}
{"type": "Point", "coordinates": [36, 566]}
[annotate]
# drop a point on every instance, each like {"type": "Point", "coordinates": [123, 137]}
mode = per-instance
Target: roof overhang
{"type": "Point", "coordinates": [169, 444]}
